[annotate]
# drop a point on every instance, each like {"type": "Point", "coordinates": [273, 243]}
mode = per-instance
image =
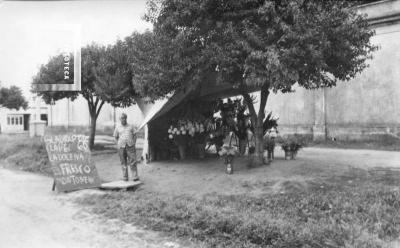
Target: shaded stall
{"type": "Point", "coordinates": [196, 103]}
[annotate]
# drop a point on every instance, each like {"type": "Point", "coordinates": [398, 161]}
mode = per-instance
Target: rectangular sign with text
{"type": "Point", "coordinates": [71, 162]}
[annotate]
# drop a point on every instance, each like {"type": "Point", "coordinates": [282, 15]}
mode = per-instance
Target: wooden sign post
{"type": "Point", "coordinates": [71, 162]}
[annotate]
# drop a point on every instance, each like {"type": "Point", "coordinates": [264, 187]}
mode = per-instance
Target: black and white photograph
{"type": "Point", "coordinates": [199, 124]}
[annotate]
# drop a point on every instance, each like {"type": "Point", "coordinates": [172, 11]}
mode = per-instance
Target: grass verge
{"type": "Point", "coordinates": [24, 153]}
{"type": "Point", "coordinates": [378, 142]}
{"type": "Point", "coordinates": [29, 154]}
{"type": "Point", "coordinates": [329, 214]}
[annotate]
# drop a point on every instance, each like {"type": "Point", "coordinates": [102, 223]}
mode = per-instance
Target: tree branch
{"type": "Point", "coordinates": [90, 108]}
{"type": "Point", "coordinates": [264, 98]}
{"type": "Point", "coordinates": [248, 100]}
{"type": "Point", "coordinates": [97, 102]}
{"type": "Point", "coordinates": [98, 110]}
{"type": "Point", "coordinates": [249, 103]}
{"type": "Point", "coordinates": [89, 99]}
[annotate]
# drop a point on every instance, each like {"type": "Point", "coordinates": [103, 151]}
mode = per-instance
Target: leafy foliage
{"type": "Point", "coordinates": [53, 73]}
{"type": "Point", "coordinates": [12, 98]}
{"type": "Point", "coordinates": [113, 76]}
{"type": "Point", "coordinates": [269, 122]}
{"type": "Point", "coordinates": [273, 43]}
{"type": "Point", "coordinates": [160, 65]}
{"type": "Point", "coordinates": [234, 117]}
{"type": "Point", "coordinates": [261, 45]}
{"type": "Point", "coordinates": [106, 77]}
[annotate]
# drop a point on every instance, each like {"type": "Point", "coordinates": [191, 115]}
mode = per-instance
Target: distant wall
{"type": "Point", "coordinates": [76, 114]}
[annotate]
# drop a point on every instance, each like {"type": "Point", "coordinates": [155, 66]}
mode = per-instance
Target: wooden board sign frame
{"type": "Point", "coordinates": [71, 162]}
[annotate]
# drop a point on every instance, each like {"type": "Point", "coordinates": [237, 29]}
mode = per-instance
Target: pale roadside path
{"type": "Point", "coordinates": [31, 215]}
{"type": "Point", "coordinates": [366, 159]}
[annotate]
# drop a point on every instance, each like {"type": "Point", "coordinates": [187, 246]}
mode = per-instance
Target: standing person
{"type": "Point", "coordinates": [125, 136]}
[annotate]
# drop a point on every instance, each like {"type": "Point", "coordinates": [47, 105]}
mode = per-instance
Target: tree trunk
{"type": "Point", "coordinates": [257, 158]}
{"type": "Point", "coordinates": [94, 111]}
{"type": "Point", "coordinates": [93, 120]}
{"type": "Point", "coordinates": [242, 146]}
{"type": "Point", "coordinates": [259, 142]}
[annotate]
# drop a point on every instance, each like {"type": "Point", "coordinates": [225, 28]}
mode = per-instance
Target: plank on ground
{"type": "Point", "coordinates": [120, 184]}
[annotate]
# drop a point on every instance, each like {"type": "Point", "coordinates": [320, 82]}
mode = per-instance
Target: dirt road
{"type": "Point", "coordinates": [200, 177]}
{"type": "Point", "coordinates": [31, 215]}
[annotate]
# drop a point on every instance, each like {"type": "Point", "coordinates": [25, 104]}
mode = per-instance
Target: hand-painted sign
{"type": "Point", "coordinates": [71, 162]}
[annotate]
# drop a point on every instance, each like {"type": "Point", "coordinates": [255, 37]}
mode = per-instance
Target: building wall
{"type": "Point", "coordinates": [66, 113]}
{"type": "Point", "coordinates": [16, 126]}
{"type": "Point", "coordinates": [372, 100]}
{"type": "Point", "coordinates": [10, 121]}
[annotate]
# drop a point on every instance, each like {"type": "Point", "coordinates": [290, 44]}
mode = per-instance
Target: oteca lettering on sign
{"type": "Point", "coordinates": [66, 66]}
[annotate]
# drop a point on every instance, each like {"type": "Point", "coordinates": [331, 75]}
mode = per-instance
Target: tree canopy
{"type": "Point", "coordinates": [274, 43]}
{"type": "Point", "coordinates": [12, 98]}
{"type": "Point", "coordinates": [113, 76]}
{"type": "Point", "coordinates": [261, 44]}
{"type": "Point", "coordinates": [106, 77]}
{"type": "Point", "coordinates": [159, 65]}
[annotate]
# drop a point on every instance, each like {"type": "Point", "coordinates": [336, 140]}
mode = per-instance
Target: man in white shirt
{"type": "Point", "coordinates": [125, 137]}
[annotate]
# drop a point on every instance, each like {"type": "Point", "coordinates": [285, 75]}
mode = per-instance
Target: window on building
{"type": "Point", "coordinates": [20, 120]}
{"type": "Point", "coordinates": [16, 121]}
{"type": "Point", "coordinates": [12, 120]}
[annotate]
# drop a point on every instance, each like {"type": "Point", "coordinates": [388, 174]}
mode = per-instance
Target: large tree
{"type": "Point", "coordinates": [160, 65]}
{"type": "Point", "coordinates": [265, 45]}
{"type": "Point", "coordinates": [105, 78]}
{"type": "Point", "coordinates": [12, 98]}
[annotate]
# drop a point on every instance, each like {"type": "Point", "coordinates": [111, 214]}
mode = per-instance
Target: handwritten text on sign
{"type": "Point", "coordinates": [71, 162]}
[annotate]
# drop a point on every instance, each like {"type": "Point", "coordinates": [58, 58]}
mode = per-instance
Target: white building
{"type": "Point", "coordinates": [17, 121]}
{"type": "Point", "coordinates": [65, 113]}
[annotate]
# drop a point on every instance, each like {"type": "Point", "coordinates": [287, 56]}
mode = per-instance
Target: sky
{"type": "Point", "coordinates": [33, 31]}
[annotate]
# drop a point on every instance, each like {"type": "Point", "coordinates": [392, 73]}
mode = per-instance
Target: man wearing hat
{"type": "Point", "coordinates": [125, 137]}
